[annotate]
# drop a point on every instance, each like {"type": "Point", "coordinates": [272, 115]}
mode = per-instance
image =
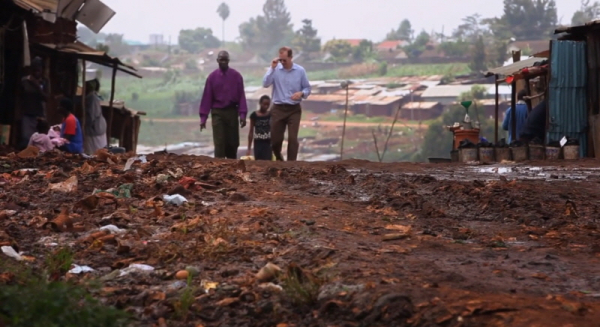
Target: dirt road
{"type": "Point", "coordinates": [358, 243]}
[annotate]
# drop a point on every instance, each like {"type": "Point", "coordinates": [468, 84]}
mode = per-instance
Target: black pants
{"type": "Point", "coordinates": [226, 132]}
{"type": "Point", "coordinates": [262, 150]}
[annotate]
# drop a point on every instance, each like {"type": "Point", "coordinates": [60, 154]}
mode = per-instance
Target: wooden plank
{"type": "Point", "coordinates": [111, 103]}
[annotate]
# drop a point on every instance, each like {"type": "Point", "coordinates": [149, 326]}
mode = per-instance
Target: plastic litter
{"type": "Point", "coordinates": [466, 144]}
{"type": "Point", "coordinates": [67, 186]}
{"type": "Point", "coordinates": [175, 199]}
{"type": "Point", "coordinates": [76, 269]}
{"type": "Point", "coordinates": [136, 267]}
{"type": "Point", "coordinates": [113, 229]}
{"type": "Point", "coordinates": [131, 161]}
{"type": "Point", "coordinates": [9, 251]}
{"type": "Point", "coordinates": [123, 191]}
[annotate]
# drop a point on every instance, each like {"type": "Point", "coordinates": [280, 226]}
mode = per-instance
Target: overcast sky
{"type": "Point", "coordinates": [369, 19]}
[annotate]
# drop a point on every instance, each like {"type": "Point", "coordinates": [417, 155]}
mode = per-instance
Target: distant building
{"type": "Point", "coordinates": [157, 39]}
{"type": "Point", "coordinates": [391, 46]}
{"type": "Point", "coordinates": [421, 110]}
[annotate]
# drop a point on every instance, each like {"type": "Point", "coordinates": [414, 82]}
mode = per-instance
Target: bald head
{"type": "Point", "coordinates": [223, 60]}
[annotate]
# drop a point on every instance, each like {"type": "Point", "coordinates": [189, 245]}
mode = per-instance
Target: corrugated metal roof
{"type": "Point", "coordinates": [420, 105]}
{"type": "Point", "coordinates": [568, 92]}
{"type": "Point", "coordinates": [446, 91]}
{"type": "Point", "coordinates": [83, 51]}
{"type": "Point", "coordinates": [577, 28]}
{"type": "Point", "coordinates": [514, 68]}
{"type": "Point", "coordinates": [38, 5]}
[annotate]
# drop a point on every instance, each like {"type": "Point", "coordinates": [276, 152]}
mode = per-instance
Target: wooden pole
{"type": "Point", "coordinates": [344, 128]}
{"type": "Point", "coordinates": [385, 146]}
{"type": "Point", "coordinates": [513, 115]}
{"type": "Point", "coordinates": [528, 98]}
{"type": "Point", "coordinates": [110, 106]}
{"type": "Point", "coordinates": [83, 91]}
{"type": "Point", "coordinates": [496, 112]}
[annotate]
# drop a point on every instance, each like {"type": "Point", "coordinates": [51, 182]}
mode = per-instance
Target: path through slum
{"type": "Point", "coordinates": [340, 244]}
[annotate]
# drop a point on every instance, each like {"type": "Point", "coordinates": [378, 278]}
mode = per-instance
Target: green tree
{"type": "Point", "coordinates": [478, 61]}
{"type": "Point", "coordinates": [197, 39]}
{"type": "Point", "coordinates": [587, 12]}
{"type": "Point", "coordinates": [470, 29]}
{"type": "Point", "coordinates": [363, 51]}
{"type": "Point", "coordinates": [223, 12]}
{"type": "Point", "coordinates": [530, 19]}
{"type": "Point", "coordinates": [338, 49]}
{"type": "Point", "coordinates": [404, 32]}
{"type": "Point", "coordinates": [418, 46]}
{"type": "Point", "coordinates": [456, 49]}
{"type": "Point", "coordinates": [117, 45]}
{"type": "Point", "coordinates": [306, 39]}
{"type": "Point", "coordinates": [266, 33]}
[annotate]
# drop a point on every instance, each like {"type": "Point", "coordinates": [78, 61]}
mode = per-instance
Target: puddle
{"type": "Point", "coordinates": [515, 172]}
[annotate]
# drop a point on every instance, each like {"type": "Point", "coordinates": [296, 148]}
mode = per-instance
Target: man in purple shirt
{"type": "Point", "coordinates": [225, 100]}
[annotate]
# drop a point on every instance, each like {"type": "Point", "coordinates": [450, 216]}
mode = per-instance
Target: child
{"type": "Point", "coordinates": [40, 139]}
{"type": "Point", "coordinates": [54, 134]}
{"type": "Point", "coordinates": [260, 131]}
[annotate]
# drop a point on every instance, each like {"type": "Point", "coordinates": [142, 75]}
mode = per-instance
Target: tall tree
{"type": "Point", "coordinates": [306, 39]}
{"type": "Point", "coordinates": [530, 19]}
{"type": "Point", "coordinates": [404, 32]}
{"type": "Point", "coordinates": [197, 39]}
{"type": "Point", "coordinates": [338, 49]}
{"type": "Point", "coordinates": [587, 12]}
{"type": "Point", "coordinates": [264, 34]}
{"type": "Point", "coordinates": [223, 12]}
{"type": "Point", "coordinates": [470, 29]}
{"type": "Point", "coordinates": [363, 51]}
{"type": "Point", "coordinates": [418, 46]}
{"type": "Point", "coordinates": [478, 61]}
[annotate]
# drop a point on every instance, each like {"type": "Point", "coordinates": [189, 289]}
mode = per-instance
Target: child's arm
{"type": "Point", "coordinates": [250, 136]}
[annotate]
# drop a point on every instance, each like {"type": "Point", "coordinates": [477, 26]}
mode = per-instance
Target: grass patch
{"type": "Point", "coordinates": [185, 301]}
{"type": "Point", "coordinates": [28, 300]}
{"type": "Point", "coordinates": [59, 262]}
{"type": "Point", "coordinates": [302, 289]}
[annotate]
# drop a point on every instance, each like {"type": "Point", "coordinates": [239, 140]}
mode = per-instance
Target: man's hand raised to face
{"type": "Point", "coordinates": [274, 63]}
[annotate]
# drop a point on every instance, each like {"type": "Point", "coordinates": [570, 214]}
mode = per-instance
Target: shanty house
{"type": "Point", "coordinates": [421, 110]}
{"type": "Point", "coordinates": [48, 29]}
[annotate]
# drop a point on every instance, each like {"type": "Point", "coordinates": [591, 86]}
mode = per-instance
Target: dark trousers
{"type": "Point", "coordinates": [282, 117]}
{"type": "Point", "coordinates": [226, 132]}
{"type": "Point", "coordinates": [28, 128]}
{"type": "Point", "coordinates": [262, 150]}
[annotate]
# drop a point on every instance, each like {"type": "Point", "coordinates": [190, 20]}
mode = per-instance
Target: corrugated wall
{"type": "Point", "coordinates": [568, 93]}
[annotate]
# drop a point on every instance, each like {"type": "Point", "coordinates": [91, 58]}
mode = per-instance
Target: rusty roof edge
{"type": "Point", "coordinates": [567, 29]}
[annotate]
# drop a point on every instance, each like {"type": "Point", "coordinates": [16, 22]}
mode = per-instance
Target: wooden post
{"type": "Point", "coordinates": [496, 113]}
{"type": "Point", "coordinates": [83, 91]}
{"type": "Point", "coordinates": [344, 128]}
{"type": "Point", "coordinates": [528, 99]}
{"type": "Point", "coordinates": [513, 112]}
{"type": "Point", "coordinates": [110, 106]}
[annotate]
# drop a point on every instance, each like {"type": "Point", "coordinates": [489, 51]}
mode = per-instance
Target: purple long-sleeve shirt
{"type": "Point", "coordinates": [223, 90]}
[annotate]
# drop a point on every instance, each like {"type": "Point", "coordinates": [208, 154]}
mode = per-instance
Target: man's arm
{"type": "Point", "coordinates": [506, 120]}
{"type": "Point", "coordinates": [206, 102]}
{"type": "Point", "coordinates": [269, 77]}
{"type": "Point", "coordinates": [250, 136]}
{"type": "Point", "coordinates": [306, 89]}
{"type": "Point", "coordinates": [242, 105]}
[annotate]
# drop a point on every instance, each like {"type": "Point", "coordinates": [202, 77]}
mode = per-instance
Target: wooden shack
{"type": "Point", "coordinates": [34, 28]}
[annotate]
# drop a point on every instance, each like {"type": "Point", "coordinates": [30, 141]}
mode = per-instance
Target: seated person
{"type": "Point", "coordinates": [71, 129]}
{"type": "Point", "coordinates": [535, 126]}
{"type": "Point", "coordinates": [40, 138]}
{"type": "Point", "coordinates": [54, 134]}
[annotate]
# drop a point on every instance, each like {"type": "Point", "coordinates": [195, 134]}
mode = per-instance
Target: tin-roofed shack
{"type": "Point", "coordinates": [48, 29]}
{"type": "Point", "coordinates": [589, 35]}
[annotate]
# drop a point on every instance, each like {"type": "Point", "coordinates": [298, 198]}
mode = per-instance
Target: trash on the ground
{"type": "Point", "coordinates": [62, 222]}
{"type": "Point", "coordinates": [175, 199]}
{"type": "Point", "coordinates": [76, 269]}
{"type": "Point", "coordinates": [188, 182]}
{"type": "Point", "coordinates": [268, 272]}
{"type": "Point", "coordinates": [123, 191]}
{"type": "Point", "coordinates": [563, 141]}
{"type": "Point", "coordinates": [271, 287]}
{"type": "Point", "coordinates": [136, 268]}
{"type": "Point", "coordinates": [70, 185]}
{"type": "Point", "coordinates": [395, 236]}
{"type": "Point", "coordinates": [247, 158]}
{"type": "Point", "coordinates": [177, 285]}
{"type": "Point", "coordinates": [29, 152]}
{"type": "Point", "coordinates": [112, 229]}
{"type": "Point", "coordinates": [194, 271]}
{"type": "Point", "coordinates": [208, 285]}
{"type": "Point", "coordinates": [129, 163]}
{"type": "Point", "coordinates": [161, 179]}
{"type": "Point", "coordinates": [9, 251]}
{"type": "Point", "coordinates": [182, 274]}
{"type": "Point", "coordinates": [177, 174]}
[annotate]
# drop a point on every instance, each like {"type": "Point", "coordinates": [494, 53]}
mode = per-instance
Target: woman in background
{"type": "Point", "coordinates": [95, 124]}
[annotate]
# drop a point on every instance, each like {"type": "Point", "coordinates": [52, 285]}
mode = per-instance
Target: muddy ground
{"type": "Point", "coordinates": [358, 243]}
